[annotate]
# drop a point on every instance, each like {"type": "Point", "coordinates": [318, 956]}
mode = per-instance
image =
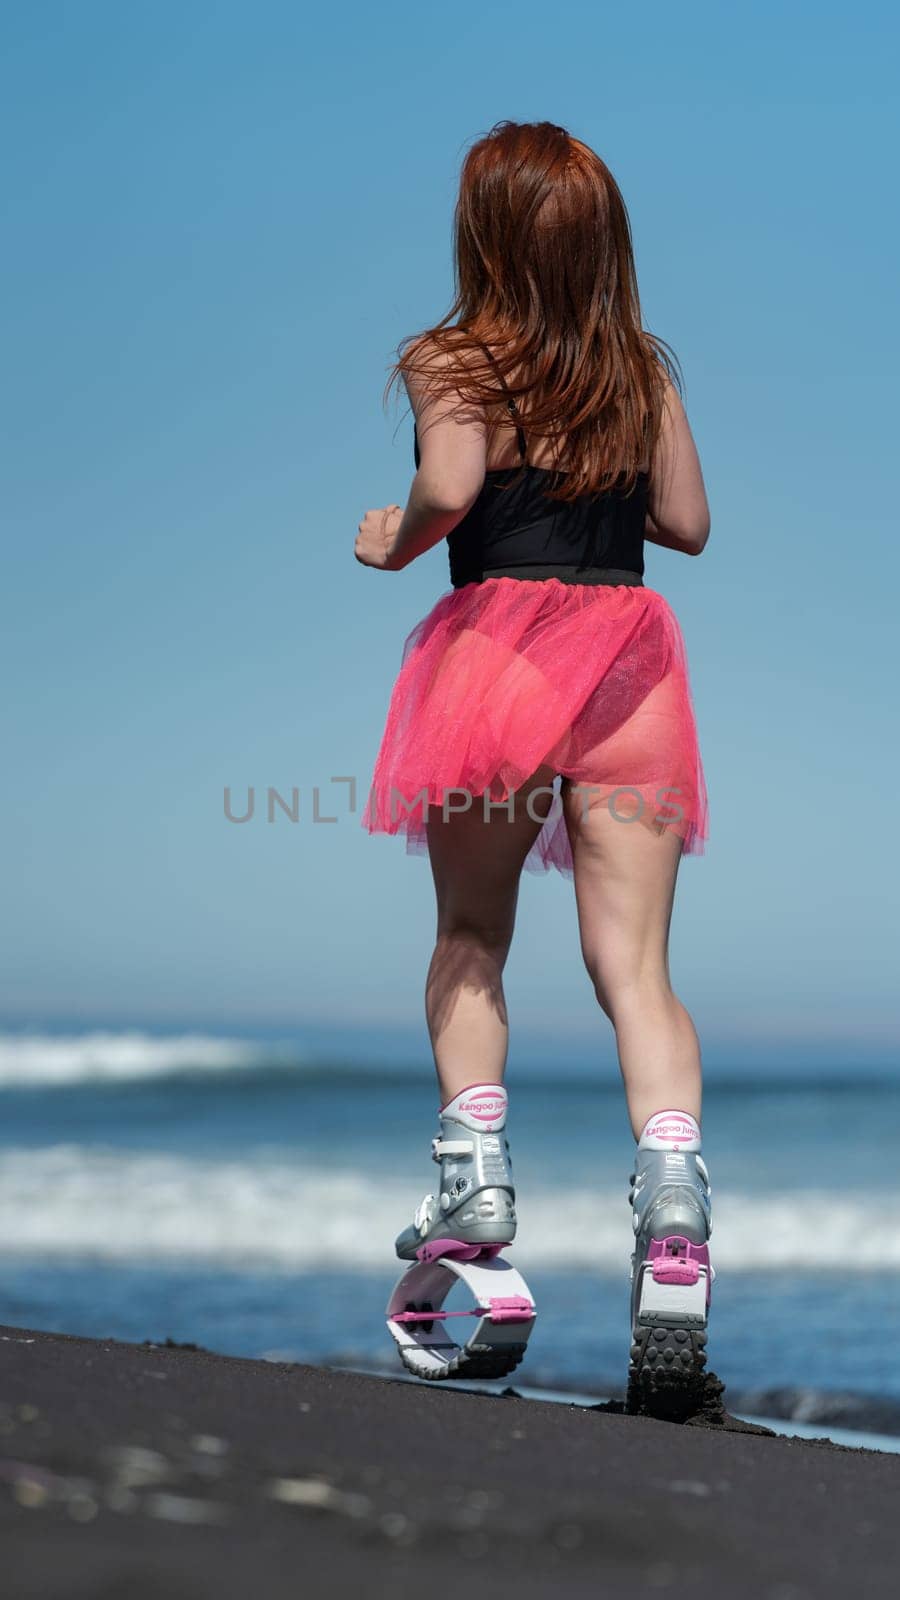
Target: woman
{"type": "Point", "coordinates": [550, 442]}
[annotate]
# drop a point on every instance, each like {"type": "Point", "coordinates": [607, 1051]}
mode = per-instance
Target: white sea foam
{"type": "Point", "coordinates": [35, 1060]}
{"type": "Point", "coordinates": [72, 1203]}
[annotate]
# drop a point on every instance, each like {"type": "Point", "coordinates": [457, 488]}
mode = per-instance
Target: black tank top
{"type": "Point", "coordinates": [521, 528]}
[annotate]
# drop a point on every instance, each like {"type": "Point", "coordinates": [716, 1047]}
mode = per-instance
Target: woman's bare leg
{"type": "Point", "coordinates": [625, 875]}
{"type": "Point", "coordinates": [476, 866]}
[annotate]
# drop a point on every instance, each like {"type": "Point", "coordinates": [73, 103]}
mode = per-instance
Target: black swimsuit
{"type": "Point", "coordinates": [519, 533]}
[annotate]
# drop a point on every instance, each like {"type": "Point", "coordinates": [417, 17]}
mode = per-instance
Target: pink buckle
{"type": "Point", "coordinates": [510, 1308]}
{"type": "Point", "coordinates": [677, 1260]}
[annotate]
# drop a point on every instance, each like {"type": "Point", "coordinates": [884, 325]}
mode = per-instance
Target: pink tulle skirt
{"type": "Point", "coordinates": [505, 676]}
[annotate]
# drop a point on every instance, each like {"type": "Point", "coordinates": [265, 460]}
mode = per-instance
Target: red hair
{"type": "Point", "coordinates": [545, 276]}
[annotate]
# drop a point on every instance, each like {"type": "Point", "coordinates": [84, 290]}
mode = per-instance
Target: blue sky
{"type": "Point", "coordinates": [220, 221]}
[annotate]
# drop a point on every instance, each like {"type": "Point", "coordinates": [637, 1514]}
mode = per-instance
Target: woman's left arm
{"type": "Point", "coordinates": [452, 445]}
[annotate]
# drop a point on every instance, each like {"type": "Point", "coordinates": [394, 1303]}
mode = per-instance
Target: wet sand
{"type": "Point", "coordinates": [136, 1471]}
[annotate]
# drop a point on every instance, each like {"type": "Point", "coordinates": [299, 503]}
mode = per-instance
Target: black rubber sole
{"type": "Point", "coordinates": [666, 1372]}
{"type": "Point", "coordinates": [476, 1364]}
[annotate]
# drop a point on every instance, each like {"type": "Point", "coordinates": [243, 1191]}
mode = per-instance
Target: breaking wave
{"type": "Point", "coordinates": [262, 1213]}
{"type": "Point", "coordinates": [36, 1060]}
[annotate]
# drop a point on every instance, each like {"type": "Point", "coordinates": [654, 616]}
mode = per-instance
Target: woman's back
{"type": "Point", "coordinates": [515, 528]}
{"type": "Point", "coordinates": [508, 519]}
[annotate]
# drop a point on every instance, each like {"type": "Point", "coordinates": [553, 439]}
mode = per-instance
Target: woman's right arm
{"type": "Point", "coordinates": [677, 507]}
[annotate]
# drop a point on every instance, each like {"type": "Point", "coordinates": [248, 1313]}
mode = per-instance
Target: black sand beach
{"type": "Point", "coordinates": [148, 1471]}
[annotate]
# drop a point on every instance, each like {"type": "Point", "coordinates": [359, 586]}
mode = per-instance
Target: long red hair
{"type": "Point", "coordinates": [545, 277]}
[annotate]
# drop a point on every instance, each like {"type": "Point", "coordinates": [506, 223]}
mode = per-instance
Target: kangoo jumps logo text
{"type": "Point", "coordinates": [486, 1107]}
{"type": "Point", "coordinates": [676, 1130]}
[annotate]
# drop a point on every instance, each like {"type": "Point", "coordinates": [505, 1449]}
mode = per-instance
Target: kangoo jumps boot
{"type": "Point", "coordinates": [476, 1200]}
{"type": "Point", "coordinates": [671, 1274]}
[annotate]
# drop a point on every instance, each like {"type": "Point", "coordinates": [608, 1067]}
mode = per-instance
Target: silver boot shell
{"type": "Point", "coordinates": [476, 1197]}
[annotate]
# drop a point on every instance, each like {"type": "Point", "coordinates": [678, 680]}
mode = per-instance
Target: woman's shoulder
{"type": "Point", "coordinates": [434, 374]}
{"type": "Point", "coordinates": [428, 357]}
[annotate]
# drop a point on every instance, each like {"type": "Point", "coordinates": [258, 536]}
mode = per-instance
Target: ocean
{"type": "Point", "coordinates": [223, 1193]}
